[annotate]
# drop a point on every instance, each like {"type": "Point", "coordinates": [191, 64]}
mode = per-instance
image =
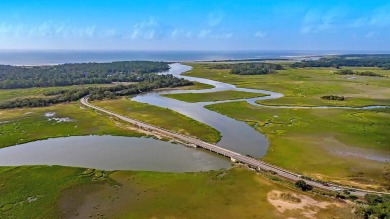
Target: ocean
{"type": "Point", "coordinates": [15, 57]}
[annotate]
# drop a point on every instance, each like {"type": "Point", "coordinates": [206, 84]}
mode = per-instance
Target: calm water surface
{"type": "Point", "coordinates": [113, 153]}
{"type": "Point", "coordinates": [236, 135]}
{"type": "Point", "coordinates": [14, 57]}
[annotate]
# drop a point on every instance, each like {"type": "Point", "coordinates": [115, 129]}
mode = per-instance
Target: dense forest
{"type": "Point", "coordinates": [253, 68]}
{"type": "Point", "coordinates": [97, 93]}
{"type": "Point", "coordinates": [76, 74]}
{"type": "Point", "coordinates": [379, 60]}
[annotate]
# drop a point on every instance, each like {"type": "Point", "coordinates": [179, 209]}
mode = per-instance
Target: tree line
{"type": "Point", "coordinates": [362, 73]}
{"type": "Point", "coordinates": [253, 68]}
{"type": "Point", "coordinates": [379, 60]}
{"type": "Point", "coordinates": [78, 73]}
{"type": "Point", "coordinates": [97, 93]}
{"type": "Point", "coordinates": [333, 97]}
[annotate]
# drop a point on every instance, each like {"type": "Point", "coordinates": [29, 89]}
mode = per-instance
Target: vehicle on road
{"type": "Point", "coordinates": [337, 189]}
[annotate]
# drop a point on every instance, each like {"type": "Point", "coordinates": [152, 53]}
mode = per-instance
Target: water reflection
{"type": "Point", "coordinates": [113, 153]}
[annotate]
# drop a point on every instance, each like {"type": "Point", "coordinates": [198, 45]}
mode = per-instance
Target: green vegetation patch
{"type": "Point", "coordinates": [355, 60]}
{"type": "Point", "coordinates": [153, 81]}
{"type": "Point", "coordinates": [348, 146]}
{"type": "Point", "coordinates": [197, 86]}
{"type": "Point", "coordinates": [64, 192]}
{"type": "Point", "coordinates": [161, 117]}
{"type": "Point", "coordinates": [306, 86]}
{"type": "Point", "coordinates": [214, 96]}
{"type": "Point", "coordinates": [77, 73]}
{"type": "Point", "coordinates": [377, 207]}
{"type": "Point", "coordinates": [24, 125]}
{"type": "Point", "coordinates": [251, 68]}
{"type": "Point", "coordinates": [41, 92]}
{"type": "Point", "coordinates": [363, 73]}
{"type": "Point", "coordinates": [32, 192]}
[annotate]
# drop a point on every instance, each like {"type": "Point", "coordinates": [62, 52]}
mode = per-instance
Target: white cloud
{"type": "Point", "coordinates": [379, 18]}
{"type": "Point", "coordinates": [175, 33]}
{"type": "Point", "coordinates": [228, 35]}
{"type": "Point", "coordinates": [54, 30]}
{"type": "Point", "coordinates": [214, 19]}
{"type": "Point", "coordinates": [223, 36]}
{"type": "Point", "coordinates": [204, 33]}
{"type": "Point", "coordinates": [180, 33]}
{"type": "Point", "coordinates": [370, 34]}
{"type": "Point", "coordinates": [207, 33]}
{"type": "Point", "coordinates": [316, 21]}
{"type": "Point", "coordinates": [88, 31]}
{"type": "Point", "coordinates": [148, 29]}
{"type": "Point", "coordinates": [261, 34]}
{"type": "Point", "coordinates": [337, 19]}
{"type": "Point", "coordinates": [188, 34]}
{"type": "Point", "coordinates": [110, 32]}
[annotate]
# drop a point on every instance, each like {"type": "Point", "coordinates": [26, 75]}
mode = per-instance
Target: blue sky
{"type": "Point", "coordinates": [195, 25]}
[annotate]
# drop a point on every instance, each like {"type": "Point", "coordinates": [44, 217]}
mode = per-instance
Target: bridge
{"type": "Point", "coordinates": [234, 156]}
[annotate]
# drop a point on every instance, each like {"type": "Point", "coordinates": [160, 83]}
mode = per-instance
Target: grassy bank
{"type": "Point", "coordinates": [161, 117]}
{"type": "Point", "coordinates": [213, 96]}
{"type": "Point", "coordinates": [23, 125]}
{"type": "Point", "coordinates": [348, 146]}
{"type": "Point", "coordinates": [196, 86]}
{"type": "Point", "coordinates": [53, 192]}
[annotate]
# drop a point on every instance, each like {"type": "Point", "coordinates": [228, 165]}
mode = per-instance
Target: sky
{"type": "Point", "coordinates": [304, 25]}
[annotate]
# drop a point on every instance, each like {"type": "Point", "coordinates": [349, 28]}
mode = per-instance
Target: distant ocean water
{"type": "Point", "coordinates": [60, 57]}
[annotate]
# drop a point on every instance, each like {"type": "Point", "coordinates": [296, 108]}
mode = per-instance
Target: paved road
{"type": "Point", "coordinates": [228, 153]}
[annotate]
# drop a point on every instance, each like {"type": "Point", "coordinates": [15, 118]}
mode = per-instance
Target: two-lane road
{"type": "Point", "coordinates": [225, 152]}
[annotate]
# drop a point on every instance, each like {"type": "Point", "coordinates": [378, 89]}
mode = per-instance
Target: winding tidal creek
{"type": "Point", "coordinates": [129, 153]}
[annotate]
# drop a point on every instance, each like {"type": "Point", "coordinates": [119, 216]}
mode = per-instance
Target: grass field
{"type": "Point", "coordinates": [54, 192]}
{"type": "Point", "coordinates": [348, 146]}
{"type": "Point", "coordinates": [306, 86]}
{"type": "Point", "coordinates": [196, 86]}
{"type": "Point", "coordinates": [214, 96]}
{"type": "Point", "coordinates": [32, 192]}
{"type": "Point", "coordinates": [161, 117]}
{"type": "Point", "coordinates": [23, 125]}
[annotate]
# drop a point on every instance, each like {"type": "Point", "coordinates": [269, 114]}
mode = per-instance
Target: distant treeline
{"type": "Point", "coordinates": [362, 73]}
{"type": "Point", "coordinates": [379, 60]}
{"type": "Point", "coordinates": [76, 74]}
{"type": "Point", "coordinates": [97, 93]}
{"type": "Point", "coordinates": [256, 68]}
{"type": "Point", "coordinates": [247, 60]}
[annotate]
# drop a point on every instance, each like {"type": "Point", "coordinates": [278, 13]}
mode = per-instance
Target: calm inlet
{"type": "Point", "coordinates": [113, 153]}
